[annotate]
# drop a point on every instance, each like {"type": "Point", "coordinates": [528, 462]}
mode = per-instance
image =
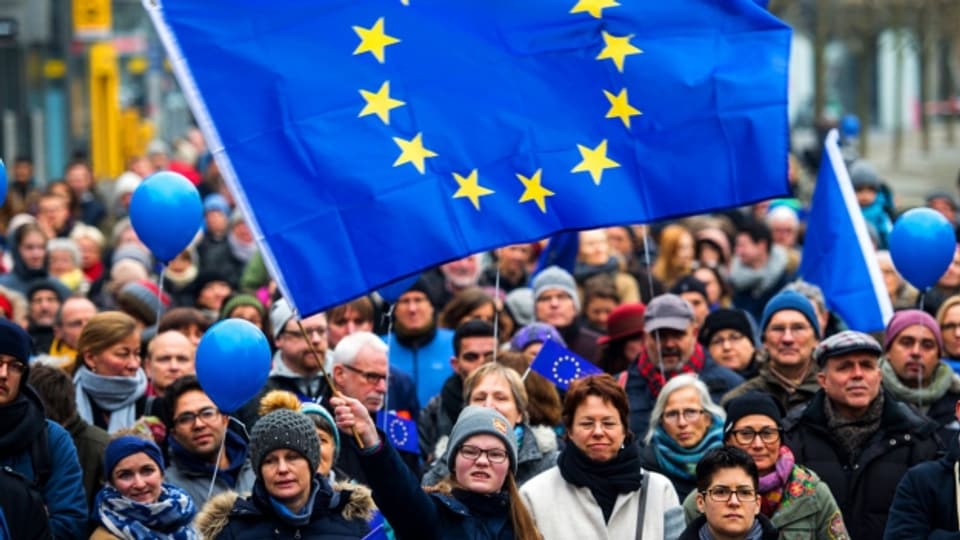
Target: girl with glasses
{"type": "Point", "coordinates": [478, 499]}
{"type": "Point", "coordinates": [684, 425]}
{"type": "Point", "coordinates": [792, 496]}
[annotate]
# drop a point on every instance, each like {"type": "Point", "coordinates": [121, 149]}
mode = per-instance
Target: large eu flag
{"type": "Point", "coordinates": [368, 140]}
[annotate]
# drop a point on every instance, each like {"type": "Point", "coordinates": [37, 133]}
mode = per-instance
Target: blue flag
{"type": "Point", "coordinates": [561, 250]}
{"type": "Point", "coordinates": [378, 528]}
{"type": "Point", "coordinates": [402, 432]}
{"type": "Point", "coordinates": [561, 366]}
{"type": "Point", "coordinates": [367, 141]}
{"type": "Point", "coordinates": [838, 255]}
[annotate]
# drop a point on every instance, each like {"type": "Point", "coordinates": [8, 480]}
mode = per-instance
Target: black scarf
{"type": "Point", "coordinates": [20, 423]}
{"type": "Point", "coordinates": [607, 479]}
{"type": "Point", "coordinates": [851, 434]}
{"type": "Point", "coordinates": [415, 339]}
{"type": "Point", "coordinates": [451, 396]}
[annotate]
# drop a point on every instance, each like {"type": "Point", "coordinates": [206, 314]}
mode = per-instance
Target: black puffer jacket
{"type": "Point", "coordinates": [340, 512]}
{"type": "Point", "coordinates": [863, 488]}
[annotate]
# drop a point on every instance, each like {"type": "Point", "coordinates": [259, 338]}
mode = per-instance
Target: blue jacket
{"type": "Point", "coordinates": [925, 504]}
{"type": "Point", "coordinates": [718, 379]}
{"type": "Point", "coordinates": [427, 363]}
{"type": "Point", "coordinates": [63, 492]}
{"type": "Point", "coordinates": [415, 514]}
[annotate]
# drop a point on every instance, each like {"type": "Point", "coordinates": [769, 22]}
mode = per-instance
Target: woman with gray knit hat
{"type": "Point", "coordinates": [478, 500]}
{"type": "Point", "coordinates": [289, 499]}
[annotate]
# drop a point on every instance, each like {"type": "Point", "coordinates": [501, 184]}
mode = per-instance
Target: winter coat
{"type": "Point", "coordinates": [925, 504]}
{"type": "Point", "coordinates": [537, 452]}
{"type": "Point", "coordinates": [719, 381]}
{"type": "Point", "coordinates": [563, 510]}
{"type": "Point", "coordinates": [863, 488]}
{"type": "Point", "coordinates": [90, 442]}
{"type": "Point", "coordinates": [582, 341]}
{"type": "Point", "coordinates": [63, 492]}
{"type": "Point", "coordinates": [692, 531]}
{"type": "Point", "coordinates": [768, 383]}
{"type": "Point", "coordinates": [22, 512]}
{"type": "Point", "coordinates": [807, 510]}
{"type": "Point", "coordinates": [427, 363]}
{"type": "Point", "coordinates": [101, 533]}
{"type": "Point", "coordinates": [340, 512]}
{"type": "Point", "coordinates": [434, 423]}
{"type": "Point", "coordinates": [416, 515]}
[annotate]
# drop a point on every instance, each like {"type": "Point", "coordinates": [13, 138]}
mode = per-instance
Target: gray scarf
{"type": "Point", "coordinates": [923, 397]}
{"type": "Point", "coordinates": [852, 433]}
{"type": "Point", "coordinates": [759, 280]}
{"type": "Point", "coordinates": [116, 395]}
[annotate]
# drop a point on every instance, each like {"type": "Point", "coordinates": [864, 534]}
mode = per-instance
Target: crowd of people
{"type": "Point", "coordinates": [732, 402]}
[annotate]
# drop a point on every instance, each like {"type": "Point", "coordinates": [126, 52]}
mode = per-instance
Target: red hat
{"type": "Point", "coordinates": [625, 320]}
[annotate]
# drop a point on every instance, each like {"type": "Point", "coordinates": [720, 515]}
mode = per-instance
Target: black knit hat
{"type": "Point", "coordinates": [725, 319]}
{"type": "Point", "coordinates": [751, 403]}
{"type": "Point", "coordinates": [17, 343]}
{"type": "Point", "coordinates": [284, 429]}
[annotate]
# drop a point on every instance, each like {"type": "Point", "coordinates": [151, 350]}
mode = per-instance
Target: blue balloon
{"type": "Point", "coordinates": [166, 213]}
{"type": "Point", "coordinates": [850, 125]}
{"type": "Point", "coordinates": [3, 183]}
{"type": "Point", "coordinates": [391, 292]}
{"type": "Point", "coordinates": [233, 362]}
{"type": "Point", "coordinates": [921, 245]}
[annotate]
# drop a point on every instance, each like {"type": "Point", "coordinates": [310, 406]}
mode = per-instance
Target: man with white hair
{"type": "Point", "coordinates": [785, 228]}
{"type": "Point", "coordinates": [360, 370]}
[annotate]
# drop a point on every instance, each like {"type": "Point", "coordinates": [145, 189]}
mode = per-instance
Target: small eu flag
{"type": "Point", "coordinates": [561, 366]}
{"type": "Point", "coordinates": [378, 527]}
{"type": "Point", "coordinates": [402, 432]}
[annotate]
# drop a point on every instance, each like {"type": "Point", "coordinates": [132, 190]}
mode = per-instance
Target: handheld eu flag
{"type": "Point", "coordinates": [561, 366]}
{"type": "Point", "coordinates": [401, 432]}
{"type": "Point", "coordinates": [838, 255]}
{"type": "Point", "coordinates": [367, 141]}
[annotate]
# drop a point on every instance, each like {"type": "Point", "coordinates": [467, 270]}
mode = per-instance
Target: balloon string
{"type": "Point", "coordinates": [386, 398]}
{"type": "Point", "coordinates": [496, 315]}
{"type": "Point", "coordinates": [216, 465]}
{"type": "Point", "coordinates": [163, 272]}
{"type": "Point", "coordinates": [324, 374]}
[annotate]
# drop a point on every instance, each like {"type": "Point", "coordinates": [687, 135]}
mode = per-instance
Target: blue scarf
{"type": "Point", "coordinates": [302, 517]}
{"type": "Point", "coordinates": [679, 462]}
{"type": "Point", "coordinates": [235, 448]}
{"type": "Point", "coordinates": [169, 518]}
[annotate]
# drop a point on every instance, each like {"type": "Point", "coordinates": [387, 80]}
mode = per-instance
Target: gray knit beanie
{"type": "Point", "coordinates": [284, 428]}
{"type": "Point", "coordinates": [555, 277]}
{"type": "Point", "coordinates": [476, 420]}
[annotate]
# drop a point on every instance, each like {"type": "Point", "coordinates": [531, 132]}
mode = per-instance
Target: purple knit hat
{"type": "Point", "coordinates": [906, 318]}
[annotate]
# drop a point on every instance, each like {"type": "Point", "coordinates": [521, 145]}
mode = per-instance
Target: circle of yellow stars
{"type": "Point", "coordinates": [594, 160]}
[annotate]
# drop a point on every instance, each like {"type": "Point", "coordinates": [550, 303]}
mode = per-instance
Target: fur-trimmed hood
{"type": "Point", "coordinates": [218, 511]}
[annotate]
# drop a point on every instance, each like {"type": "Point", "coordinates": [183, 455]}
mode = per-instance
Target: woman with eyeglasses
{"type": "Point", "coordinates": [496, 386]}
{"type": "Point", "coordinates": [478, 499]}
{"type": "Point", "coordinates": [598, 489]}
{"type": "Point", "coordinates": [792, 496]}
{"type": "Point", "coordinates": [684, 425]}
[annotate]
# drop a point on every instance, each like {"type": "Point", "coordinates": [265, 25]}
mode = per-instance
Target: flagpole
{"type": "Point", "coordinates": [646, 256]}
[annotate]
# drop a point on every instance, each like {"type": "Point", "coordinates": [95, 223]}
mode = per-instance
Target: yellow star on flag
{"type": "Point", "coordinates": [620, 107]}
{"type": "Point", "coordinates": [374, 40]}
{"type": "Point", "coordinates": [595, 161]}
{"type": "Point", "coordinates": [593, 7]}
{"type": "Point", "coordinates": [413, 152]}
{"type": "Point", "coordinates": [534, 190]}
{"type": "Point", "coordinates": [617, 48]}
{"type": "Point", "coordinates": [380, 103]}
{"type": "Point", "coordinates": [470, 188]}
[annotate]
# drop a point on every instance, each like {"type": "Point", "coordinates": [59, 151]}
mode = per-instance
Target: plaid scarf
{"type": "Point", "coordinates": [655, 379]}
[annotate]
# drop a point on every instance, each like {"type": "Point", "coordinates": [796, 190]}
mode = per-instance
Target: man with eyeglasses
{"type": "Point", "coordinates": [473, 346]}
{"type": "Point", "coordinates": [360, 371]}
{"type": "Point", "coordinates": [914, 373]}
{"type": "Point", "coordinates": [790, 331]}
{"type": "Point", "coordinates": [857, 437]}
{"type": "Point", "coordinates": [196, 429]}
{"type": "Point", "coordinates": [670, 348]}
{"type": "Point", "coordinates": [727, 484]}
{"type": "Point", "coordinates": [296, 366]}
{"type": "Point", "coordinates": [73, 315]}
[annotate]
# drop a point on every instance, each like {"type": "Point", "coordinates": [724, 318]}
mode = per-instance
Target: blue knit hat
{"type": "Point", "coordinates": [316, 409]}
{"type": "Point", "coordinates": [790, 300]}
{"type": "Point", "coordinates": [128, 445]}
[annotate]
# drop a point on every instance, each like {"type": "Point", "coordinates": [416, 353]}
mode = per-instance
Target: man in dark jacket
{"type": "Point", "coordinates": [670, 348]}
{"type": "Point", "coordinates": [197, 429]}
{"type": "Point", "coordinates": [857, 437]}
{"type": "Point", "coordinates": [36, 448]}
{"type": "Point", "coordinates": [925, 505]}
